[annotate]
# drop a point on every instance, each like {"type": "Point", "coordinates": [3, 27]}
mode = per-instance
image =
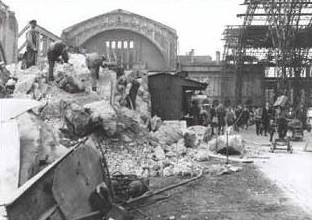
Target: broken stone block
{"type": "Point", "coordinates": [126, 138]}
{"type": "Point", "coordinates": [234, 169]}
{"type": "Point", "coordinates": [103, 113]}
{"type": "Point", "coordinates": [199, 130]}
{"type": "Point", "coordinates": [180, 147]}
{"type": "Point", "coordinates": [155, 123]}
{"type": "Point", "coordinates": [190, 139]}
{"type": "Point", "coordinates": [159, 153]}
{"type": "Point", "coordinates": [168, 133]}
{"type": "Point", "coordinates": [168, 171]}
{"type": "Point", "coordinates": [182, 170]}
{"type": "Point", "coordinates": [79, 120]}
{"type": "Point", "coordinates": [235, 144]}
{"type": "Point", "coordinates": [39, 146]}
{"type": "Point", "coordinates": [201, 155]}
{"type": "Point", "coordinates": [69, 83]}
{"type": "Point", "coordinates": [25, 83]}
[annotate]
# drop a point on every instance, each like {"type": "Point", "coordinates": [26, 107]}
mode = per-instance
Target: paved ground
{"type": "Point", "coordinates": [291, 172]}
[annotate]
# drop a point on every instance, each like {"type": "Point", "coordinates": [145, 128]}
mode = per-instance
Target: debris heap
{"type": "Point", "coordinates": [134, 143]}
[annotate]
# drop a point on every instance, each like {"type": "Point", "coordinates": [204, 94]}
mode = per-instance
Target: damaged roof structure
{"type": "Point", "coordinates": [273, 34]}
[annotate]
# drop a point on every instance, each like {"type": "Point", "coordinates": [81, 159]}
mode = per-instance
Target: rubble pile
{"type": "Point", "coordinates": [69, 83]}
{"type": "Point", "coordinates": [153, 160]}
{"type": "Point", "coordinates": [133, 142]}
{"type": "Point", "coordinates": [168, 133]}
{"type": "Point", "coordinates": [163, 153]}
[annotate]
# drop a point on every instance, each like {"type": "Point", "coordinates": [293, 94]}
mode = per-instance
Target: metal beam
{"type": "Point", "coordinates": [267, 14]}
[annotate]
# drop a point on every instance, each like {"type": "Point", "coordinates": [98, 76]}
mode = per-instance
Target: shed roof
{"type": "Point", "coordinates": [189, 83]}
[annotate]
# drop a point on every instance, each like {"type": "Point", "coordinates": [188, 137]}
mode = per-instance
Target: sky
{"type": "Point", "coordinates": [199, 23]}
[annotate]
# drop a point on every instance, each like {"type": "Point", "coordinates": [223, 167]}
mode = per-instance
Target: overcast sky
{"type": "Point", "coordinates": [199, 23]}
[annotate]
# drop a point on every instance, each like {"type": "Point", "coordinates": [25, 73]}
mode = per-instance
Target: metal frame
{"type": "Point", "coordinates": [273, 33]}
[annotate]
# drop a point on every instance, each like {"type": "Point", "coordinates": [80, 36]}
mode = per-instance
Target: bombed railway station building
{"type": "Point", "coordinates": [108, 120]}
{"type": "Point", "coordinates": [135, 41]}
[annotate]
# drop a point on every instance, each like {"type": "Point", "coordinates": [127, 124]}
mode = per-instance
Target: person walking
{"type": "Point", "coordinates": [238, 116]}
{"type": "Point", "coordinates": [220, 110]}
{"type": "Point", "coordinates": [265, 118]}
{"type": "Point", "coordinates": [213, 119]}
{"type": "Point", "coordinates": [230, 117]}
{"type": "Point", "coordinates": [245, 117]}
{"type": "Point", "coordinates": [258, 116]}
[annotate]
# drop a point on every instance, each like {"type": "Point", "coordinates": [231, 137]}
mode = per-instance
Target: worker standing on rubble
{"type": "Point", "coordinates": [55, 50]}
{"type": "Point", "coordinates": [130, 87]}
{"type": "Point", "coordinates": [109, 70]}
{"type": "Point", "coordinates": [94, 61]}
{"type": "Point", "coordinates": [32, 39]}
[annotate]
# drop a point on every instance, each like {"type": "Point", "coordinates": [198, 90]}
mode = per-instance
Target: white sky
{"type": "Point", "coordinates": [199, 23]}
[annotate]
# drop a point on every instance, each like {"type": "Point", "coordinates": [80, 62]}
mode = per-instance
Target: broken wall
{"type": "Point", "coordinates": [8, 33]}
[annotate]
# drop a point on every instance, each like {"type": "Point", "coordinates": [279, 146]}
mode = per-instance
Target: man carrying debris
{"type": "Point", "coordinates": [55, 50]}
{"type": "Point", "coordinates": [32, 38]}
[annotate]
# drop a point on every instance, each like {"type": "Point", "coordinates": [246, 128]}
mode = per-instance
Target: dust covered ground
{"type": "Point", "coordinates": [243, 195]}
{"type": "Point", "coordinates": [277, 186]}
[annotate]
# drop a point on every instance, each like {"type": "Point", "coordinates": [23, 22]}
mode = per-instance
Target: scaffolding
{"type": "Point", "coordinates": [274, 33]}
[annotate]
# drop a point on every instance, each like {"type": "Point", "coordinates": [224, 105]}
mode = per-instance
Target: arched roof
{"type": "Point", "coordinates": [162, 36]}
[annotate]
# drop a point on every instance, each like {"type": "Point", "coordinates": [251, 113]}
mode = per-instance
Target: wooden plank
{"type": "Point", "coordinates": [23, 31]}
{"type": "Point", "coordinates": [48, 213]}
{"type": "Point", "coordinates": [233, 159]}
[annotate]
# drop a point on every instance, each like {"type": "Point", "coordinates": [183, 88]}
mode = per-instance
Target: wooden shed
{"type": "Point", "coordinates": [169, 97]}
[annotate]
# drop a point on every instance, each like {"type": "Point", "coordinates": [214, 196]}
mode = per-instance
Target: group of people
{"type": "Point", "coordinates": [277, 119]}
{"type": "Point", "coordinates": [58, 52]}
{"type": "Point", "coordinates": [218, 116]}
{"type": "Point", "coordinates": [268, 119]}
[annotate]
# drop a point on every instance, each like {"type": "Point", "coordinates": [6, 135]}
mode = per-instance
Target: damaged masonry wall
{"type": "Point", "coordinates": [8, 33]}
